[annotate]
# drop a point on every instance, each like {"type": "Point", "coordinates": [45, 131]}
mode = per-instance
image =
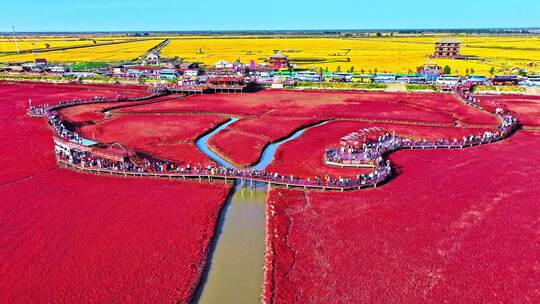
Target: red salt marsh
{"type": "Point", "coordinates": [243, 141]}
{"type": "Point", "coordinates": [54, 92]}
{"type": "Point", "coordinates": [27, 144]}
{"type": "Point", "coordinates": [428, 108]}
{"type": "Point", "coordinates": [170, 137]}
{"type": "Point", "coordinates": [70, 238]}
{"type": "Point", "coordinates": [267, 116]}
{"type": "Point", "coordinates": [455, 226]}
{"type": "Point", "coordinates": [94, 112]}
{"type": "Point", "coordinates": [304, 156]}
{"type": "Point", "coordinates": [452, 226]}
{"type": "Point", "coordinates": [527, 108]}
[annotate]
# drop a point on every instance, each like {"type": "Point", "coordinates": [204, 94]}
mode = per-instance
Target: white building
{"type": "Point", "coordinates": [448, 80]}
{"type": "Point", "coordinates": [191, 73]}
{"type": "Point", "coordinates": [222, 64]}
{"type": "Point", "coordinates": [152, 58]}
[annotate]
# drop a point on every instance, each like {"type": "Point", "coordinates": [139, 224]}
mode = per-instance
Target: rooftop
{"type": "Point", "coordinates": [278, 55]}
{"type": "Point", "coordinates": [187, 65]}
{"type": "Point", "coordinates": [85, 142]}
{"type": "Point", "coordinates": [144, 67]}
{"type": "Point", "coordinates": [448, 40]}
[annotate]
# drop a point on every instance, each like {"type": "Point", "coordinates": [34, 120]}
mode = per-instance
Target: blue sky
{"type": "Point", "coordinates": [138, 15]}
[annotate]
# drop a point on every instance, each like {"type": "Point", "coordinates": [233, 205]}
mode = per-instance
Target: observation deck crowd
{"type": "Point", "coordinates": [355, 153]}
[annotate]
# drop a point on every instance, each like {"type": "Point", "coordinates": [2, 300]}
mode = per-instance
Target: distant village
{"type": "Point", "coordinates": [276, 72]}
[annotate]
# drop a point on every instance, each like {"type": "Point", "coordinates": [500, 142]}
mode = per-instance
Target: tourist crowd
{"type": "Point", "coordinates": [86, 159]}
{"type": "Point", "coordinates": [367, 153]}
{"type": "Point", "coordinates": [45, 109]}
{"type": "Point", "coordinates": [357, 154]}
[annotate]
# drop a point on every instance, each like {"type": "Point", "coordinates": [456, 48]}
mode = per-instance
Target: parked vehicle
{"type": "Point", "coordinates": [505, 80]}
{"type": "Point", "coordinates": [307, 76]}
{"type": "Point", "coordinates": [385, 78]}
{"type": "Point", "coordinates": [416, 80]}
{"type": "Point", "coordinates": [531, 81]}
{"type": "Point", "coordinates": [448, 80]}
{"type": "Point", "coordinates": [477, 79]}
{"type": "Point", "coordinates": [339, 77]}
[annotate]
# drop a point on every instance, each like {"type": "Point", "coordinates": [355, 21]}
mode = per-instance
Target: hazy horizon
{"type": "Point", "coordinates": [278, 15]}
{"type": "Point", "coordinates": [426, 31]}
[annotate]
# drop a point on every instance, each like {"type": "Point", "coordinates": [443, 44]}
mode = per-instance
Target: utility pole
{"type": "Point", "coordinates": [15, 39]}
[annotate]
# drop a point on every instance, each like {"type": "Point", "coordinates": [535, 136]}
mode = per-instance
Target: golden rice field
{"type": "Point", "coordinates": [105, 53]}
{"type": "Point", "coordinates": [9, 44]}
{"type": "Point", "coordinates": [399, 54]}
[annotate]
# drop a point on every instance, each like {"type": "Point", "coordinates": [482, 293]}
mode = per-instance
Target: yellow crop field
{"type": "Point", "coordinates": [10, 44]}
{"type": "Point", "coordinates": [398, 54]}
{"type": "Point", "coordinates": [107, 53]}
{"type": "Point", "coordinates": [387, 54]}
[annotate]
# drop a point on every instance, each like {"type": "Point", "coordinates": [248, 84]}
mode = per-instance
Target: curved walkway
{"type": "Point", "coordinates": [357, 150]}
{"type": "Point", "coordinates": [77, 153]}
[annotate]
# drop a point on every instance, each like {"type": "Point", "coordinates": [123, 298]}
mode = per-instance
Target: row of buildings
{"type": "Point", "coordinates": [277, 68]}
{"type": "Point", "coordinates": [190, 73]}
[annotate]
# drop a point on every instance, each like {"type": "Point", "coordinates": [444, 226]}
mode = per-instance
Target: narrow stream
{"type": "Point", "coordinates": [202, 144]}
{"type": "Point", "coordinates": [234, 271]}
{"type": "Point", "coordinates": [269, 151]}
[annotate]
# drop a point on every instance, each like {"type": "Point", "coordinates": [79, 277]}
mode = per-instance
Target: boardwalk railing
{"type": "Point", "coordinates": [43, 110]}
{"type": "Point", "coordinates": [243, 176]}
{"type": "Point", "coordinates": [83, 155]}
{"type": "Point", "coordinates": [356, 157]}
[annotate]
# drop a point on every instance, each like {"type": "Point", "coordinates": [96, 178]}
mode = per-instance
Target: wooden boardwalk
{"type": "Point", "coordinates": [381, 171]}
{"type": "Point", "coordinates": [205, 176]}
{"type": "Point", "coordinates": [368, 164]}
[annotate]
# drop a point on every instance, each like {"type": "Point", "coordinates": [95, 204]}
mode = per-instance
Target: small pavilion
{"type": "Point", "coordinates": [278, 60]}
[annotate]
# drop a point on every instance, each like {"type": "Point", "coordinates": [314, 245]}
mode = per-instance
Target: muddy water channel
{"type": "Point", "coordinates": [235, 267]}
{"type": "Point", "coordinates": [234, 271]}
